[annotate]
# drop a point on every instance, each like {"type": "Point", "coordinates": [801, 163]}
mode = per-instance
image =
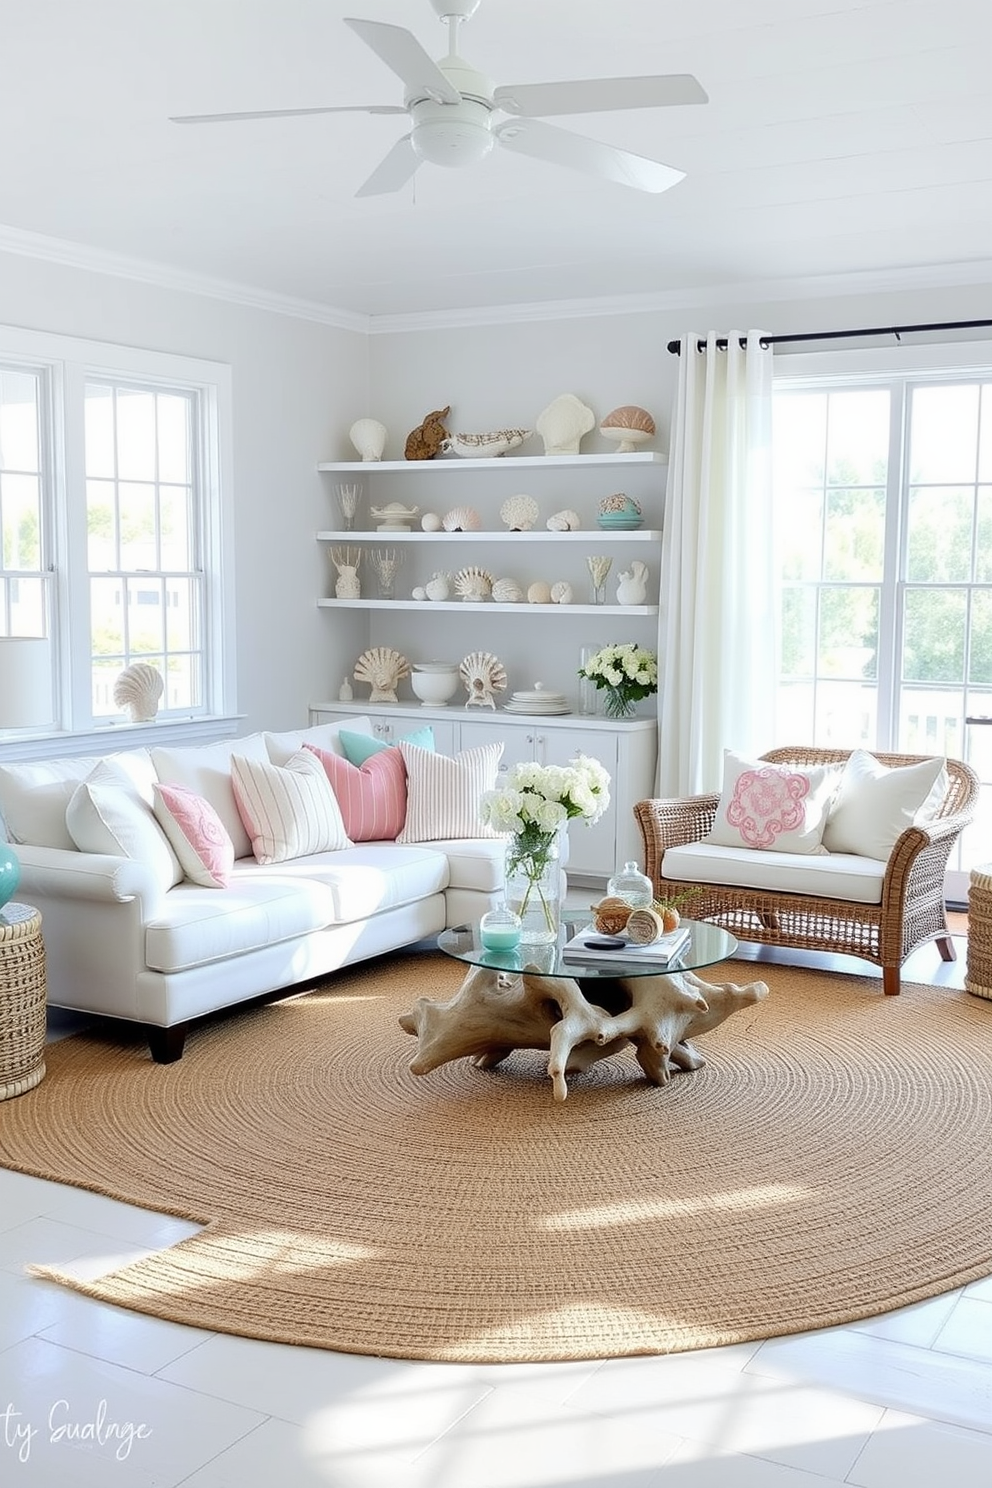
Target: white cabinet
{"type": "Point", "coordinates": [627, 750]}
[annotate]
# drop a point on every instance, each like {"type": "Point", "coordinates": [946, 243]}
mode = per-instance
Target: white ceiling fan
{"type": "Point", "coordinates": [453, 110]}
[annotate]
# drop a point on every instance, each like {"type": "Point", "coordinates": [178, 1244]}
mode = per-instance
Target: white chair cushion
{"type": "Point", "coordinates": [875, 803]}
{"type": "Point", "coordinates": [828, 875]}
{"type": "Point", "coordinates": [772, 807]}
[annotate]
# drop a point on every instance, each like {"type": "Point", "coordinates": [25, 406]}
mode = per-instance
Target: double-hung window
{"type": "Point", "coordinates": [113, 507]}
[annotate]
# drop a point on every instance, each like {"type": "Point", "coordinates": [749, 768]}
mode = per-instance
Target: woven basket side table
{"type": "Point", "coordinates": [22, 1000]}
{"type": "Point", "coordinates": [978, 972]}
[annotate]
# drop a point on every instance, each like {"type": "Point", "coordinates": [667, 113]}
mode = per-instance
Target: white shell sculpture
{"type": "Point", "coordinates": [507, 591]}
{"type": "Point", "coordinates": [369, 438]}
{"type": "Point", "coordinates": [561, 593]}
{"type": "Point", "coordinates": [474, 584]}
{"type": "Point", "coordinates": [483, 675]}
{"type": "Point", "coordinates": [346, 561]}
{"type": "Point", "coordinates": [564, 521]}
{"type": "Point", "coordinates": [462, 519]}
{"type": "Point", "coordinates": [563, 423]}
{"type": "Point", "coordinates": [395, 517]}
{"type": "Point", "coordinates": [138, 689]}
{"type": "Point", "coordinates": [519, 513]}
{"type": "Point", "coordinates": [633, 585]}
{"type": "Point", "coordinates": [438, 587]}
{"type": "Point", "coordinates": [382, 668]}
{"type": "Point", "coordinates": [539, 593]}
{"type": "Point", "coordinates": [430, 522]}
{"type": "Point", "coordinates": [485, 446]}
{"type": "Point", "coordinates": [629, 425]}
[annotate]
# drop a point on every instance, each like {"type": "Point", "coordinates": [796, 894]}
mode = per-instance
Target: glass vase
{"type": "Point", "coordinates": [533, 891]}
{"type": "Point", "coordinates": [588, 691]}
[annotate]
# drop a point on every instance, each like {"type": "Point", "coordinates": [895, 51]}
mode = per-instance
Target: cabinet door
{"type": "Point", "coordinates": [389, 729]}
{"type": "Point", "coordinates": [517, 738]}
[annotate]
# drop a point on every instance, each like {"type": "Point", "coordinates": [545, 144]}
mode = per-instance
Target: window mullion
{"type": "Point", "coordinates": [891, 599]}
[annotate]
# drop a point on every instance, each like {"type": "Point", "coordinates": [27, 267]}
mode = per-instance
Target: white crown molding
{"type": "Point", "coordinates": [163, 276]}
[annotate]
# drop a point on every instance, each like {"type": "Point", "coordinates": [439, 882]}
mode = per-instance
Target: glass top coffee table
{"type": "Point", "coordinates": [708, 944]}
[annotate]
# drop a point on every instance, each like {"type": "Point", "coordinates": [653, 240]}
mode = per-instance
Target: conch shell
{"type": "Point", "coordinates": [382, 668]}
{"type": "Point", "coordinates": [138, 689]}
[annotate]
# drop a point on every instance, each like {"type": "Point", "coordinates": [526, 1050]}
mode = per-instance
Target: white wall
{"type": "Point", "coordinates": [296, 385]}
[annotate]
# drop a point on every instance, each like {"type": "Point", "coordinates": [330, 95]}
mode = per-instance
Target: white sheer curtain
{"type": "Point", "coordinates": [717, 638]}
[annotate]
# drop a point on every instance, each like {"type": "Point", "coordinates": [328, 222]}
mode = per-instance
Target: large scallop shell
{"type": "Point", "coordinates": [462, 519]}
{"type": "Point", "coordinates": [507, 591]}
{"type": "Point", "coordinates": [519, 513]}
{"type": "Point", "coordinates": [474, 584]}
{"type": "Point", "coordinates": [382, 668]}
{"type": "Point", "coordinates": [483, 675]}
{"type": "Point", "coordinates": [138, 689]}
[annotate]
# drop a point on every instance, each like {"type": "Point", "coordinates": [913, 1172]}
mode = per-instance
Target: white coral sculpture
{"type": "Point", "coordinates": [519, 513]}
{"type": "Point", "coordinates": [382, 668]}
{"type": "Point", "coordinates": [564, 521]}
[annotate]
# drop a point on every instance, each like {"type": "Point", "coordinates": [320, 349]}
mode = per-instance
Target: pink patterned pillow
{"type": "Point", "coordinates": [777, 808]}
{"type": "Point", "coordinates": [198, 837]}
{"type": "Point", "coordinates": [372, 796]}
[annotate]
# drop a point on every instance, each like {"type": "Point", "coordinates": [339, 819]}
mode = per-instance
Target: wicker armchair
{"type": "Point", "coordinates": [911, 911]}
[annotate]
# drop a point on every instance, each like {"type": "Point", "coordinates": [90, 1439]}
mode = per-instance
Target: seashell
{"type": "Point", "coordinates": [484, 446]}
{"type": "Point", "coordinates": [423, 442]}
{"type": "Point", "coordinates": [483, 675]}
{"type": "Point", "coordinates": [630, 425]}
{"type": "Point", "coordinates": [438, 587]}
{"type": "Point", "coordinates": [474, 584]}
{"type": "Point", "coordinates": [369, 438]}
{"type": "Point", "coordinates": [507, 591]}
{"type": "Point", "coordinates": [138, 689]}
{"type": "Point", "coordinates": [563, 423]}
{"type": "Point", "coordinates": [430, 522]}
{"type": "Point", "coordinates": [419, 592]}
{"type": "Point", "coordinates": [645, 926]}
{"type": "Point", "coordinates": [462, 519]}
{"type": "Point", "coordinates": [382, 668]}
{"type": "Point", "coordinates": [519, 513]}
{"type": "Point", "coordinates": [611, 916]}
{"type": "Point", "coordinates": [539, 593]}
{"type": "Point", "coordinates": [561, 593]}
{"type": "Point", "coordinates": [564, 521]}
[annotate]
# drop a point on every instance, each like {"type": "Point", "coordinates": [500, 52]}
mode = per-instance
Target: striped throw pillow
{"type": "Point", "coordinates": [288, 811]}
{"type": "Point", "coordinates": [372, 796]}
{"type": "Point", "coordinates": [444, 794]}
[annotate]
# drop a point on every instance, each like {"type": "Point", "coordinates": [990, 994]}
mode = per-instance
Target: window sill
{"type": "Point", "coordinates": [112, 738]}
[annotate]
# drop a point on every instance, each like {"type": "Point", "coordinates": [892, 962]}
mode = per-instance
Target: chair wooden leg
{"type": "Point", "coordinates": [890, 980]}
{"type": "Point", "coordinates": [946, 947]}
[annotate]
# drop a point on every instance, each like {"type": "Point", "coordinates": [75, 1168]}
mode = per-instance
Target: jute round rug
{"type": "Point", "coordinates": [829, 1162]}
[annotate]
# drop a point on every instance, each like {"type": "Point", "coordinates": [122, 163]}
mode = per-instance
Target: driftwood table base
{"type": "Point", "coordinates": [495, 1012]}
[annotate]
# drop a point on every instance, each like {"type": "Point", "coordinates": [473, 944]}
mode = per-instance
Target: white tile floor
{"type": "Point", "coordinates": [901, 1401]}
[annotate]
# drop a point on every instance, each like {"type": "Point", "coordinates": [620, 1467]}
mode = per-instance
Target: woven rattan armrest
{"type": "Point", "coordinates": [672, 822]}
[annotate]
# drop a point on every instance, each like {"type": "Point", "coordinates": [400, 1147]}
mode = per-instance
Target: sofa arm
{"type": "Point", "coordinates": [672, 822]}
{"type": "Point", "coordinates": [55, 873]}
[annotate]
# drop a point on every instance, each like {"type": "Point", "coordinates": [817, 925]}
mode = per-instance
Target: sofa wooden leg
{"type": "Point", "coordinates": [890, 980]}
{"type": "Point", "coordinates": [166, 1044]}
{"type": "Point", "coordinates": [946, 947]}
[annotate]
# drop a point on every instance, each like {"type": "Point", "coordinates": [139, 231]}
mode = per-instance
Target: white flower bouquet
{"type": "Point", "coordinates": [625, 672]}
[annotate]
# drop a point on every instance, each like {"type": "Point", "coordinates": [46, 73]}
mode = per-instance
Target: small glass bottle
{"type": "Point", "coordinates": [632, 886]}
{"type": "Point", "coordinates": [499, 929]}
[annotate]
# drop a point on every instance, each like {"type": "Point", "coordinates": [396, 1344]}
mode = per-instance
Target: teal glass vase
{"type": "Point", "coordinates": [10, 873]}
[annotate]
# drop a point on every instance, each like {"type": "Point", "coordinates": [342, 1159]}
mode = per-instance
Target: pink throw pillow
{"type": "Point", "coordinates": [196, 833]}
{"type": "Point", "coordinates": [372, 796]}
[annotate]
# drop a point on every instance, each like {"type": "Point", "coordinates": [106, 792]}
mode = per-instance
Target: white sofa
{"type": "Point", "coordinates": [122, 943]}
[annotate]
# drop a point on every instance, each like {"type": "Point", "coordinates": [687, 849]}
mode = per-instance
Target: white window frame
{"type": "Point", "coordinates": [68, 363]}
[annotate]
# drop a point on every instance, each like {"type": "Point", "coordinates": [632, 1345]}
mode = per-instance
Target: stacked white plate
{"type": "Point", "coordinates": [538, 700]}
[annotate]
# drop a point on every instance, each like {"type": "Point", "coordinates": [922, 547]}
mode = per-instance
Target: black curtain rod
{"type": "Point", "coordinates": [675, 347]}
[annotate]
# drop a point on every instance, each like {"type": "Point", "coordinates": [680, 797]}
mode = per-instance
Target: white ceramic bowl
{"type": "Point", "coordinates": [433, 686]}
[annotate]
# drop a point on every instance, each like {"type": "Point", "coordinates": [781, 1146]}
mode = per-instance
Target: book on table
{"type": "Point", "coordinates": [659, 952]}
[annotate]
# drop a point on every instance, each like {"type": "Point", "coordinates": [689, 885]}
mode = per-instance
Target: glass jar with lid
{"type": "Point", "coordinates": [632, 886]}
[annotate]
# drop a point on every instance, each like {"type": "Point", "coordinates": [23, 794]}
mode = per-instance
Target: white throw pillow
{"type": "Point", "coordinates": [281, 747]}
{"type": "Point", "coordinates": [206, 769]}
{"type": "Point", "coordinates": [773, 807]}
{"type": "Point", "coordinates": [289, 811]}
{"type": "Point", "coordinates": [875, 803]}
{"type": "Point", "coordinates": [34, 796]}
{"type": "Point", "coordinates": [444, 794]}
{"type": "Point", "coordinates": [106, 814]}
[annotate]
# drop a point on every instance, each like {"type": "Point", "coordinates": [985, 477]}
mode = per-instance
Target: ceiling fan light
{"type": "Point", "coordinates": [452, 142]}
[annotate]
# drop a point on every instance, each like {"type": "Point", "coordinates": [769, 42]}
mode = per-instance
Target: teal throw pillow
{"type": "Point", "coordinates": [360, 747]}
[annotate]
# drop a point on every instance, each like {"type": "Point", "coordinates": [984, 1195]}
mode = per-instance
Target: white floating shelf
{"type": "Point", "coordinates": [585, 535]}
{"type": "Point", "coordinates": [428, 606]}
{"type": "Point", "coordinates": [498, 462]}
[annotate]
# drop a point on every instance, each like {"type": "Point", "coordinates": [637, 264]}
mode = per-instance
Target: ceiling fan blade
{"type": "Point", "coordinates": [393, 171]}
{"type": "Point", "coordinates": [595, 95]}
{"type": "Point", "coordinates": [356, 108]}
{"type": "Point", "coordinates": [562, 147]}
{"type": "Point", "coordinates": [401, 51]}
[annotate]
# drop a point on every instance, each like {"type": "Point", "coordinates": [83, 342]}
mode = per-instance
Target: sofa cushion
{"type": "Point", "coordinates": [288, 811]}
{"type": "Point", "coordinates": [372, 797]}
{"type": "Point", "coordinates": [196, 835]}
{"type": "Point", "coordinates": [830, 875]}
{"type": "Point", "coordinates": [475, 862]}
{"type": "Point", "coordinates": [444, 794]}
{"type": "Point", "coordinates": [107, 815]}
{"type": "Point", "coordinates": [771, 807]}
{"type": "Point", "coordinates": [199, 926]}
{"type": "Point", "coordinates": [369, 877]}
{"type": "Point", "coordinates": [876, 803]}
{"type": "Point", "coordinates": [281, 747]}
{"type": "Point", "coordinates": [34, 795]}
{"type": "Point", "coordinates": [206, 769]}
{"type": "Point", "coordinates": [357, 748]}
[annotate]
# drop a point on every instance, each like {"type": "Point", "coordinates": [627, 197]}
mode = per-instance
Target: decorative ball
{"type": "Point", "coordinates": [419, 593]}
{"type": "Point", "coordinates": [539, 593]}
{"type": "Point", "coordinates": [430, 522]}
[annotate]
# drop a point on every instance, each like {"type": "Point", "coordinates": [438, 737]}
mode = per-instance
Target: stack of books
{"type": "Point", "coordinates": [584, 947]}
